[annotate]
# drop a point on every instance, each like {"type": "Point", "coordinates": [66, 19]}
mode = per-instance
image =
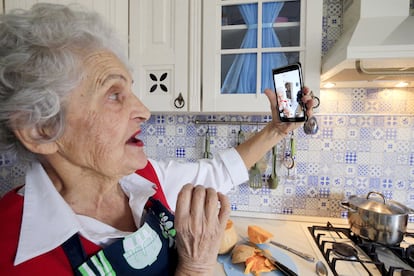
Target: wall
{"type": "Point", "coordinates": [365, 143]}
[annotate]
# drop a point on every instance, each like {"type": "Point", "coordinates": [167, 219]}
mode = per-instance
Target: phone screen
{"type": "Point", "coordinates": [288, 87]}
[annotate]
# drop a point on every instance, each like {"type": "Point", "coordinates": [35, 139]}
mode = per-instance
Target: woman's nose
{"type": "Point", "coordinates": [140, 111]}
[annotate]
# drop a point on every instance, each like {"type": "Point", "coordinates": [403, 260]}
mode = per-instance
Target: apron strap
{"type": "Point", "coordinates": [74, 251]}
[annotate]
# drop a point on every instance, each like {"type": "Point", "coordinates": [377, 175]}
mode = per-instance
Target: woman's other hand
{"type": "Point", "coordinates": [200, 219]}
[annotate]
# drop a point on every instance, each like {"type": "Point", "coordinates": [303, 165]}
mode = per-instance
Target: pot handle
{"type": "Point", "coordinates": [346, 205]}
{"type": "Point", "coordinates": [377, 193]}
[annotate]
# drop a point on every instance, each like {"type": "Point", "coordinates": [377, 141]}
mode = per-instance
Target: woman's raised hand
{"type": "Point", "coordinates": [283, 127]}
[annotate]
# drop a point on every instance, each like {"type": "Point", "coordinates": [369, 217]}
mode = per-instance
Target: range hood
{"type": "Point", "coordinates": [376, 48]}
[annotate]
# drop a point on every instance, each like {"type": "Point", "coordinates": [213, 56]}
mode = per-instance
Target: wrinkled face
{"type": "Point", "coordinates": [103, 118]}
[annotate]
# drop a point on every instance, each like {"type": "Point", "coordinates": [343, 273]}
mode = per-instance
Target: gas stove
{"type": "Point", "coordinates": [347, 254]}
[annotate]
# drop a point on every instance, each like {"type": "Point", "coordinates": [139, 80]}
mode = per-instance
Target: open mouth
{"type": "Point", "coordinates": [133, 140]}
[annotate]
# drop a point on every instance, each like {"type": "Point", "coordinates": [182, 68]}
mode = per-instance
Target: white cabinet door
{"type": "Point", "coordinates": [114, 11]}
{"type": "Point", "coordinates": [244, 40]}
{"type": "Point", "coordinates": [159, 52]}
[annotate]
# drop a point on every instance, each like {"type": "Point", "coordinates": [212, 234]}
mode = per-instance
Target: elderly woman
{"type": "Point", "coordinates": [92, 203]}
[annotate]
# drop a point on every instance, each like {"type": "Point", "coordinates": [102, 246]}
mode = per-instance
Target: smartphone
{"type": "Point", "coordinates": [288, 83]}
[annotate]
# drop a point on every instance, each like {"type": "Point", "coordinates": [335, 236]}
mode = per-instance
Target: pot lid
{"type": "Point", "coordinates": [378, 204]}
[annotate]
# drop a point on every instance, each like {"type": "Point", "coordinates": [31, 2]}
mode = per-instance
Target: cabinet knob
{"type": "Point", "coordinates": [179, 101]}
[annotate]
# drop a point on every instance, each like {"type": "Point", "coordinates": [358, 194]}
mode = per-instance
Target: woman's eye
{"type": "Point", "coordinates": [114, 96]}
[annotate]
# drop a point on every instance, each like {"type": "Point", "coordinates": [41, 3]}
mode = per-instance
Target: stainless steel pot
{"type": "Point", "coordinates": [376, 219]}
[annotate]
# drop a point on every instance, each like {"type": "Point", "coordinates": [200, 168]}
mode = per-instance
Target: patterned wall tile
{"type": "Point", "coordinates": [349, 159]}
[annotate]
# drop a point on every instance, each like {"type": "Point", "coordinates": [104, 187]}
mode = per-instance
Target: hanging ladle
{"type": "Point", "coordinates": [311, 126]}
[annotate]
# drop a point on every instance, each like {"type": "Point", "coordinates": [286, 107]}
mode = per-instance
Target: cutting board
{"type": "Point", "coordinates": [238, 269]}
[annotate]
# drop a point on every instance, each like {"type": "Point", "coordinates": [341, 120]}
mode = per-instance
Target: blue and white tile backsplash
{"type": "Point", "coordinates": [365, 143]}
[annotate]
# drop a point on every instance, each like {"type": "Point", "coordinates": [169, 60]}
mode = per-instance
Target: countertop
{"type": "Point", "coordinates": [290, 230]}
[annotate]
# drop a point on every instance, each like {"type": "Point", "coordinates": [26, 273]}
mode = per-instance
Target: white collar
{"type": "Point", "coordinates": [59, 223]}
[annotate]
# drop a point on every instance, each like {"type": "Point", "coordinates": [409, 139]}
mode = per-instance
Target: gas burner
{"type": "Point", "coordinates": [348, 254]}
{"type": "Point", "coordinates": [345, 251]}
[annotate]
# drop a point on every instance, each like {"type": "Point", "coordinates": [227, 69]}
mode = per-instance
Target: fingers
{"type": "Point", "coordinates": [284, 128]}
{"type": "Point", "coordinates": [271, 95]}
{"type": "Point", "coordinates": [308, 100]}
{"type": "Point", "coordinates": [184, 201]}
{"type": "Point", "coordinates": [201, 204]}
{"type": "Point", "coordinates": [307, 96]}
{"type": "Point", "coordinates": [211, 204]}
{"type": "Point", "coordinates": [205, 205]}
{"type": "Point", "coordinates": [224, 212]}
{"type": "Point", "coordinates": [200, 219]}
{"type": "Point", "coordinates": [198, 204]}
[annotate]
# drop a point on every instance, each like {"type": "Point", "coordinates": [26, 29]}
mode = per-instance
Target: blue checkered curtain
{"type": "Point", "coordinates": [241, 77]}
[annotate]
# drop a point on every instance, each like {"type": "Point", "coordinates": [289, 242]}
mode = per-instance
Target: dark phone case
{"type": "Point", "coordinates": [284, 69]}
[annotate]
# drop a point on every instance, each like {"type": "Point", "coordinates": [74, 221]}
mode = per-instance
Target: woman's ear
{"type": "Point", "coordinates": [31, 138]}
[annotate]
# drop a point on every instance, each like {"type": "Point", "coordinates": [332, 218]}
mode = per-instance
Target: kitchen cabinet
{"type": "Point", "coordinates": [244, 40]}
{"type": "Point", "coordinates": [182, 50]}
{"type": "Point", "coordinates": [155, 35]}
{"type": "Point", "coordinates": [159, 50]}
{"type": "Point", "coordinates": [114, 11]}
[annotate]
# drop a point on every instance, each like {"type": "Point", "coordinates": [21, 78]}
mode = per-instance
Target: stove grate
{"type": "Point", "coordinates": [327, 252]}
